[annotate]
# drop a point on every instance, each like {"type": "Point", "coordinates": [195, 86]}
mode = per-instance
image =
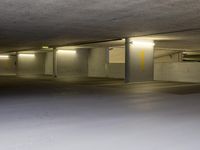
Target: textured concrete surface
{"type": "Point", "coordinates": [28, 23]}
{"type": "Point", "coordinates": [116, 70]}
{"type": "Point", "coordinates": [73, 64]}
{"type": "Point", "coordinates": [31, 66]}
{"type": "Point", "coordinates": [97, 62]}
{"type": "Point", "coordinates": [139, 62]}
{"type": "Point", "coordinates": [49, 63]}
{"type": "Point", "coordinates": [8, 66]}
{"type": "Point", "coordinates": [181, 72]}
{"type": "Point", "coordinates": [88, 114]}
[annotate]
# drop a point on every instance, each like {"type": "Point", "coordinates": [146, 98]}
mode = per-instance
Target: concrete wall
{"type": "Point", "coordinates": [49, 63]}
{"type": "Point", "coordinates": [97, 62]}
{"type": "Point", "coordinates": [117, 55]}
{"type": "Point", "coordinates": [183, 71]}
{"type": "Point", "coordinates": [99, 65]}
{"type": "Point", "coordinates": [73, 64]}
{"type": "Point", "coordinates": [116, 70]}
{"type": "Point", "coordinates": [169, 58]}
{"type": "Point", "coordinates": [31, 66]}
{"type": "Point", "coordinates": [85, 63]}
{"type": "Point", "coordinates": [175, 71]}
{"type": "Point", "coordinates": [7, 66]}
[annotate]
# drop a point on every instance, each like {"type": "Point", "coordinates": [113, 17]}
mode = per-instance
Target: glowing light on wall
{"type": "Point", "coordinates": [70, 52]}
{"type": "Point", "coordinates": [143, 43]}
{"type": "Point", "coordinates": [4, 56]}
{"type": "Point", "coordinates": [27, 55]}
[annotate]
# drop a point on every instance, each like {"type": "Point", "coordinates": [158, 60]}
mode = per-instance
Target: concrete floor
{"type": "Point", "coordinates": [98, 114]}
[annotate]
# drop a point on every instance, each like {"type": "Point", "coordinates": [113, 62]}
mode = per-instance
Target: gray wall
{"type": "Point", "coordinates": [86, 62]}
{"type": "Point", "coordinates": [49, 63]}
{"type": "Point", "coordinates": [99, 66]}
{"type": "Point", "coordinates": [179, 71]}
{"type": "Point", "coordinates": [7, 66]}
{"type": "Point", "coordinates": [169, 58]}
{"type": "Point", "coordinates": [31, 66]}
{"type": "Point", "coordinates": [182, 72]}
{"type": "Point", "coordinates": [73, 64]}
{"type": "Point", "coordinates": [116, 70]}
{"type": "Point", "coordinates": [97, 62]}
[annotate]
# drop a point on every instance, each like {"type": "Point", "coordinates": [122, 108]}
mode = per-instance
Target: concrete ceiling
{"type": "Point", "coordinates": [27, 24]}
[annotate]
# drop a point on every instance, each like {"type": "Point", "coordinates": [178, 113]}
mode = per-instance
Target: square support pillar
{"type": "Point", "coordinates": [55, 72]}
{"type": "Point", "coordinates": [139, 61]}
{"type": "Point", "coordinates": [16, 64]}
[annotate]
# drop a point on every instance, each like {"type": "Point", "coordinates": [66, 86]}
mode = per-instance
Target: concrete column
{"type": "Point", "coordinates": [139, 63]}
{"type": "Point", "coordinates": [127, 60]}
{"type": "Point", "coordinates": [107, 62]}
{"type": "Point", "coordinates": [180, 55]}
{"type": "Point", "coordinates": [55, 72]}
{"type": "Point", "coordinates": [16, 64]}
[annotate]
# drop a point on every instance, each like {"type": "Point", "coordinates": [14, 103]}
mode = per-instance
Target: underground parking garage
{"type": "Point", "coordinates": [99, 75]}
{"type": "Point", "coordinates": [106, 60]}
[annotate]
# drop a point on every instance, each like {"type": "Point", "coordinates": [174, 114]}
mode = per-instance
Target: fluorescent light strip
{"type": "Point", "coordinates": [45, 47]}
{"type": "Point", "coordinates": [4, 56]}
{"type": "Point", "coordinates": [67, 51]}
{"type": "Point", "coordinates": [27, 55]}
{"type": "Point", "coordinates": [143, 43]}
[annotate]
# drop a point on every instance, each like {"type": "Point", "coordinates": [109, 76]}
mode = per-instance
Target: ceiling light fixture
{"type": "Point", "coordinates": [67, 51]}
{"type": "Point", "coordinates": [45, 47]}
{"type": "Point", "coordinates": [4, 56]}
{"type": "Point", "coordinates": [143, 43]}
{"type": "Point", "coordinates": [27, 55]}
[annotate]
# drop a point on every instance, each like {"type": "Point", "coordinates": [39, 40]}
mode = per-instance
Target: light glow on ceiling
{"type": "Point", "coordinates": [4, 56]}
{"type": "Point", "coordinates": [45, 47]}
{"type": "Point", "coordinates": [70, 52]}
{"type": "Point", "coordinates": [27, 55]}
{"type": "Point", "coordinates": [141, 43]}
